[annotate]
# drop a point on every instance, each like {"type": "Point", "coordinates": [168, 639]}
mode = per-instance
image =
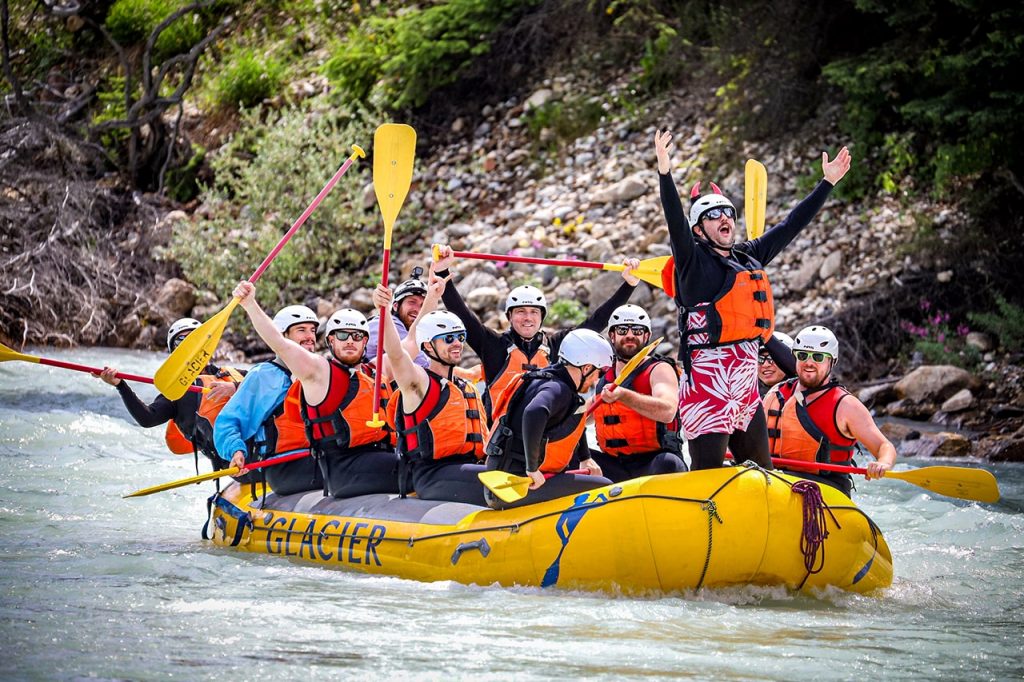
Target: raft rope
{"type": "Point", "coordinates": [815, 526]}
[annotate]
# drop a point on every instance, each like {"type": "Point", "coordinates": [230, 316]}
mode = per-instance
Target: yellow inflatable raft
{"type": "Point", "coordinates": [731, 526]}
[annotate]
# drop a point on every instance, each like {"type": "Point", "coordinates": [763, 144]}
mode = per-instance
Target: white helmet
{"type": "Point", "coordinates": [708, 202]}
{"type": "Point", "coordinates": [585, 347]}
{"type": "Point", "coordinates": [526, 295]}
{"type": "Point", "coordinates": [291, 315]}
{"type": "Point", "coordinates": [179, 326]}
{"type": "Point", "coordinates": [346, 318]}
{"type": "Point", "coordinates": [436, 323]}
{"type": "Point", "coordinates": [817, 339]}
{"type": "Point", "coordinates": [629, 314]}
{"type": "Point", "coordinates": [784, 338]}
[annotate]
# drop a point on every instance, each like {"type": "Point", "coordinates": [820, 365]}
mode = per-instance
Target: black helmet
{"type": "Point", "coordinates": [411, 287]}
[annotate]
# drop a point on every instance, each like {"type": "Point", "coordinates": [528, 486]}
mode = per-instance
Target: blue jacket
{"type": "Point", "coordinates": [262, 391]}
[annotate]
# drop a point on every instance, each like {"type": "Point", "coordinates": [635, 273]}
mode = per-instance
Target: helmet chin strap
{"type": "Point", "coordinates": [436, 357]}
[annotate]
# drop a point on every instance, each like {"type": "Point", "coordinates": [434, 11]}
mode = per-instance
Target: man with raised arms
{"type": "Point", "coordinates": [336, 401]}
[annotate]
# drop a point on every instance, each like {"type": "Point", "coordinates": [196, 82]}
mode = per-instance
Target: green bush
{"type": "Point", "coordinates": [568, 119]}
{"type": "Point", "coordinates": [565, 313]}
{"type": "Point", "coordinates": [247, 79]}
{"type": "Point", "coordinates": [398, 60]}
{"type": "Point", "coordinates": [265, 178]}
{"type": "Point", "coordinates": [132, 21]}
{"type": "Point", "coordinates": [1007, 324]}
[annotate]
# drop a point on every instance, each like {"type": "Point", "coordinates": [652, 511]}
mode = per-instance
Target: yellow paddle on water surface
{"type": "Point", "coordinates": [194, 353]}
{"type": "Point", "coordinates": [394, 149]}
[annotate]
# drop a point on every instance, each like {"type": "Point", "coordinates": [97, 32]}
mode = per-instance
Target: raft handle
{"type": "Point", "coordinates": [480, 544]}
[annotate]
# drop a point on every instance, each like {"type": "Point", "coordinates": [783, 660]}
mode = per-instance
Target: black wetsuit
{"type": "Point", "coordinates": [700, 274]}
{"type": "Point", "coordinates": [492, 346]}
{"type": "Point", "coordinates": [182, 411]}
{"type": "Point", "coordinates": [544, 404]}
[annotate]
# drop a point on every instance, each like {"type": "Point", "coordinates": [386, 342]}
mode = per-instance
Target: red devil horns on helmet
{"type": "Point", "coordinates": [695, 192]}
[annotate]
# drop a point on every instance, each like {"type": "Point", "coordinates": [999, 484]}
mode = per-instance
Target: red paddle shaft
{"type": "Point", "coordinates": [97, 370]}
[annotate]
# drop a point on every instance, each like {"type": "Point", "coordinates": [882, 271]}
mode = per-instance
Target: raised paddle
{"type": "Point", "coordinates": [963, 483]}
{"type": "Point", "coordinates": [755, 197]}
{"type": "Point", "coordinates": [193, 354]}
{"type": "Point", "coordinates": [624, 373]}
{"type": "Point", "coordinates": [394, 148]}
{"type": "Point", "coordinates": [650, 270]}
{"type": "Point", "coordinates": [511, 488]}
{"type": "Point", "coordinates": [230, 471]}
{"type": "Point", "coordinates": [11, 354]}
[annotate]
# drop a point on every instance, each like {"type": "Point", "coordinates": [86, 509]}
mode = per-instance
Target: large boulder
{"type": "Point", "coordinates": [933, 383]}
{"type": "Point", "coordinates": [177, 297]}
{"type": "Point", "coordinates": [483, 298]}
{"type": "Point", "coordinates": [627, 189]}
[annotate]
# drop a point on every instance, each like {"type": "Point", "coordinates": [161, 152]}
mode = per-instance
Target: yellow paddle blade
{"type": "Point", "coordinates": [7, 353]}
{"type": "Point", "coordinates": [230, 471]}
{"type": "Point", "coordinates": [649, 271]}
{"type": "Point", "coordinates": [192, 355]}
{"type": "Point", "coordinates": [960, 482]}
{"type": "Point", "coordinates": [508, 487]}
{"type": "Point", "coordinates": [755, 197]}
{"type": "Point", "coordinates": [394, 148]}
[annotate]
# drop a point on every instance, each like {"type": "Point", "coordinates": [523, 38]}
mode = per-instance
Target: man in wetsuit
{"type": "Point", "coordinates": [726, 311]}
{"type": "Point", "coordinates": [336, 401]}
{"type": "Point", "coordinates": [186, 432]}
{"type": "Point", "coordinates": [524, 346]}
{"type": "Point", "coordinates": [813, 418]}
{"type": "Point", "coordinates": [540, 420]}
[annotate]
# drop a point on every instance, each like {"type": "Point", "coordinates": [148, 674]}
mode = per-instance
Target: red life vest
{"type": "Point", "coordinates": [209, 407]}
{"type": "Point", "coordinates": [339, 421]}
{"type": "Point", "coordinates": [448, 423]}
{"type": "Point", "coordinates": [516, 363]}
{"type": "Point", "coordinates": [623, 431]}
{"type": "Point", "coordinates": [806, 429]}
{"type": "Point", "coordinates": [560, 440]}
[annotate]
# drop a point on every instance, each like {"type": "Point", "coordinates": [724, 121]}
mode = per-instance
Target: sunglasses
{"type": "Point", "coordinates": [765, 360]}
{"type": "Point", "coordinates": [354, 335]}
{"type": "Point", "coordinates": [178, 339]}
{"type": "Point", "coordinates": [803, 355]}
{"type": "Point", "coordinates": [635, 329]}
{"type": "Point", "coordinates": [716, 213]}
{"type": "Point", "coordinates": [451, 338]}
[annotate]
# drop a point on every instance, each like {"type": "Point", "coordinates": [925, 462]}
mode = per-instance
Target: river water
{"type": "Point", "coordinates": [93, 585]}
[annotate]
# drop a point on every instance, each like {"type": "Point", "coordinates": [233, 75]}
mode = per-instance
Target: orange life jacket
{"type": "Point", "coordinates": [622, 430]}
{"type": "Point", "coordinates": [448, 423]}
{"type": "Point", "coordinates": [338, 422]}
{"type": "Point", "coordinates": [516, 363]}
{"type": "Point", "coordinates": [209, 407]}
{"type": "Point", "coordinates": [806, 429]}
{"type": "Point", "coordinates": [560, 440]}
{"type": "Point", "coordinates": [283, 431]}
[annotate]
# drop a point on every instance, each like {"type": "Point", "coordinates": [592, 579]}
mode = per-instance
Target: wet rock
{"type": "Point", "coordinates": [483, 298]}
{"type": "Point", "coordinates": [1007, 411]}
{"type": "Point", "coordinates": [942, 444]}
{"type": "Point", "coordinates": [880, 394]}
{"type": "Point", "coordinates": [933, 382]}
{"type": "Point", "coordinates": [176, 296]}
{"type": "Point", "coordinates": [1002, 449]}
{"type": "Point", "coordinates": [909, 410]}
{"type": "Point", "coordinates": [961, 400]}
{"type": "Point", "coordinates": [896, 432]}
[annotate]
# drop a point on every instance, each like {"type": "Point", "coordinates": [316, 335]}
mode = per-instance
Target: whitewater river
{"type": "Point", "coordinates": [93, 585]}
